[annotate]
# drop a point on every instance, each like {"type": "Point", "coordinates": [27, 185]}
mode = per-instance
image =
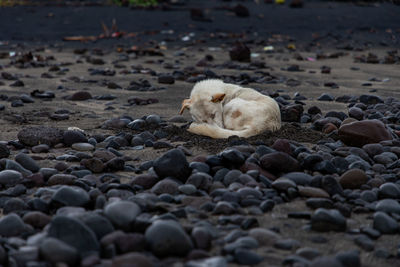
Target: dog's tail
{"type": "Point", "coordinates": [215, 131]}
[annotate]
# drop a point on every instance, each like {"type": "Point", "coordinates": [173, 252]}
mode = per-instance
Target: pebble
{"type": "Point", "coordinates": [353, 179]}
{"type": "Point", "coordinates": [75, 234]}
{"type": "Point", "coordinates": [138, 258]}
{"type": "Point", "coordinates": [80, 96]}
{"type": "Point", "coordinates": [94, 164]}
{"type": "Point", "coordinates": [56, 251]}
{"type": "Point", "coordinates": [32, 136]}
{"type": "Point", "coordinates": [244, 242]}
{"type": "Point", "coordinates": [325, 261]}
{"type": "Point", "coordinates": [4, 151]}
{"type": "Point", "coordinates": [287, 244]}
{"type": "Point", "coordinates": [389, 190]}
{"type": "Point", "coordinates": [166, 79]}
{"type": "Point", "coordinates": [202, 238]}
{"type": "Point", "coordinates": [10, 178]}
{"type": "Point", "coordinates": [273, 162]}
{"type": "Point", "coordinates": [167, 238]}
{"type": "Point", "coordinates": [349, 258]}
{"type": "Point", "coordinates": [370, 99]}
{"type": "Point", "coordinates": [71, 196]}
{"type": "Point", "coordinates": [283, 184]}
{"type": "Point", "coordinates": [224, 207]}
{"type": "Point", "coordinates": [356, 113]}
{"type": "Point", "coordinates": [315, 203]}
{"type": "Point", "coordinates": [308, 191]}
{"type": "Point", "coordinates": [12, 225]}
{"type": "Point", "coordinates": [292, 113]}
{"type": "Point", "coordinates": [82, 146]}
{"type": "Point", "coordinates": [122, 213]}
{"type": "Point", "coordinates": [37, 219]}
{"type": "Point", "coordinates": [385, 224]}
{"type": "Point", "coordinates": [326, 97]}
{"type": "Point", "coordinates": [388, 205]}
{"type": "Point", "coordinates": [299, 178]}
{"type": "Point", "coordinates": [263, 236]}
{"type": "Point", "coordinates": [324, 220]}
{"type": "Point", "coordinates": [71, 137]}
{"type": "Point", "coordinates": [216, 261]}
{"type": "Point", "coordinates": [174, 164]}
{"type": "Point", "coordinates": [364, 132]}
{"type": "Point", "coordinates": [308, 253]}
{"type": "Point", "coordinates": [124, 242]}
{"type": "Point", "coordinates": [14, 205]}
{"type": "Point", "coordinates": [12, 165]}
{"type": "Point", "coordinates": [43, 148]}
{"type": "Point", "coordinates": [57, 179]}
{"type": "Point", "coordinates": [27, 162]}
{"type": "Point", "coordinates": [187, 189]}
{"type": "Point", "coordinates": [247, 257]}
{"type": "Point", "coordinates": [153, 119]}
{"type": "Point", "coordinates": [364, 242]}
{"type": "Point", "coordinates": [166, 186]}
{"type": "Point", "coordinates": [240, 52]}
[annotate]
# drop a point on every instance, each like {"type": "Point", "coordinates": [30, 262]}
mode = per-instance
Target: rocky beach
{"type": "Point", "coordinates": [98, 169]}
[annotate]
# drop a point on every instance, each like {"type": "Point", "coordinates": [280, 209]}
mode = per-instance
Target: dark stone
{"type": "Point", "coordinates": [173, 164]}
{"type": "Point", "coordinates": [72, 137]}
{"type": "Point", "coordinates": [4, 151]}
{"type": "Point", "coordinates": [279, 162]}
{"type": "Point", "coordinates": [80, 96]}
{"type": "Point", "coordinates": [167, 238]}
{"type": "Point", "coordinates": [324, 220]}
{"type": "Point", "coordinates": [100, 225]}
{"type": "Point", "coordinates": [75, 234]}
{"type": "Point", "coordinates": [166, 79]}
{"type": "Point", "coordinates": [56, 251]}
{"type": "Point", "coordinates": [12, 225]}
{"type": "Point", "coordinates": [71, 196]}
{"type": "Point", "coordinates": [385, 224]}
{"type": "Point", "coordinates": [292, 113]}
{"type": "Point", "coordinates": [122, 213]}
{"type": "Point", "coordinates": [240, 52]}
{"type": "Point", "coordinates": [247, 257]}
{"type": "Point", "coordinates": [27, 162]}
{"type": "Point", "coordinates": [364, 132]}
{"type": "Point", "coordinates": [33, 136]}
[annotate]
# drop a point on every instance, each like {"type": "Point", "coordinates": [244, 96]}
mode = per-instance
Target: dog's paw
{"type": "Point", "coordinates": [194, 127]}
{"type": "Point", "coordinates": [203, 129]}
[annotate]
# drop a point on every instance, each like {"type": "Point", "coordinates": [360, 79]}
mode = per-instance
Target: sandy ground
{"type": "Point", "coordinates": [89, 115]}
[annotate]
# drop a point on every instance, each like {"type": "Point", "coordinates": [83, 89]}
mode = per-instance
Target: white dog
{"type": "Point", "coordinates": [220, 110]}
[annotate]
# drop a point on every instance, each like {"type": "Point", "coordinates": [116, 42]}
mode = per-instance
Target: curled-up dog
{"type": "Point", "coordinates": [220, 110]}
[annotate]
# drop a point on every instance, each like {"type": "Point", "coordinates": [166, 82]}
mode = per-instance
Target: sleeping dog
{"type": "Point", "coordinates": [220, 110]}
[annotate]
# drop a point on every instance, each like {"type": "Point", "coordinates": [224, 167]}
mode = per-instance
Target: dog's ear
{"type": "Point", "coordinates": [185, 105]}
{"type": "Point", "coordinates": [217, 98]}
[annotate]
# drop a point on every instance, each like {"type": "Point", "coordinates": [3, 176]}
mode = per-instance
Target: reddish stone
{"type": "Point", "coordinates": [328, 128]}
{"type": "Point", "coordinates": [199, 159]}
{"type": "Point", "coordinates": [353, 179]}
{"type": "Point", "coordinates": [360, 133]}
{"type": "Point", "coordinates": [282, 145]}
{"type": "Point", "coordinates": [247, 166]}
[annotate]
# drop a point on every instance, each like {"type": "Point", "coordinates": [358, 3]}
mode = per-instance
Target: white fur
{"type": "Point", "coordinates": [242, 111]}
{"type": "Point", "coordinates": [75, 129]}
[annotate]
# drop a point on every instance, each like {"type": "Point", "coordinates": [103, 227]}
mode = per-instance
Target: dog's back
{"type": "Point", "coordinates": [206, 89]}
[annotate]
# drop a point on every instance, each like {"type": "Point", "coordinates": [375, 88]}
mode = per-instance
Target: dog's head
{"type": "Point", "coordinates": [205, 109]}
{"type": "Point", "coordinates": [206, 102]}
